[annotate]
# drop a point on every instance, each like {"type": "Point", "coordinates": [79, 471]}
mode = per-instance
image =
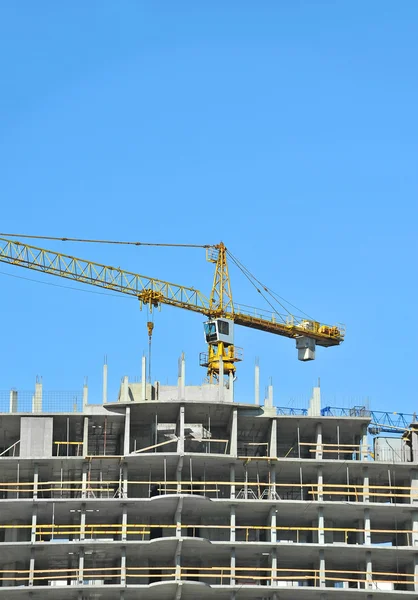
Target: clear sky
{"type": "Point", "coordinates": [288, 129]}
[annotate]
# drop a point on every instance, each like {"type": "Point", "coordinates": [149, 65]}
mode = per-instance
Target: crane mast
{"type": "Point", "coordinates": [219, 308]}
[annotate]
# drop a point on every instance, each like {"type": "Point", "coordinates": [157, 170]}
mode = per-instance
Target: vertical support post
{"type": "Point", "coordinates": [322, 572]}
{"type": "Point", "coordinates": [13, 401]}
{"type": "Point", "coordinates": [273, 580]}
{"type": "Point", "coordinates": [31, 568]}
{"type": "Point", "coordinates": [272, 490]}
{"type": "Point", "coordinates": [105, 381]}
{"type": "Point", "coordinates": [144, 379]}
{"type": "Point", "coordinates": [124, 522]}
{"type": "Point", "coordinates": [180, 430]}
{"type": "Point", "coordinates": [37, 398]}
{"type": "Point", "coordinates": [183, 377]}
{"type": "Point", "coordinates": [234, 433]}
{"type": "Point", "coordinates": [83, 521]}
{"type": "Point", "coordinates": [123, 566]}
{"type": "Point", "coordinates": [364, 449]}
{"type": "Point", "coordinates": [177, 517]}
{"type": "Point", "coordinates": [34, 523]}
{"type": "Point", "coordinates": [81, 567]}
{"type": "Point", "coordinates": [273, 438]}
{"type": "Point", "coordinates": [85, 395]}
{"type": "Point", "coordinates": [125, 480]}
{"type": "Point", "coordinates": [273, 524]}
{"type": "Point", "coordinates": [125, 389]}
{"type": "Point", "coordinates": [414, 523]}
{"type": "Point", "coordinates": [232, 523]}
{"type": "Point", "coordinates": [414, 486]}
{"type": "Point", "coordinates": [415, 572]}
{"type": "Point", "coordinates": [231, 386]}
{"type": "Point", "coordinates": [85, 436]}
{"type": "Point", "coordinates": [177, 560]}
{"type": "Point", "coordinates": [319, 447]}
{"type": "Point", "coordinates": [369, 571]}
{"type": "Point", "coordinates": [35, 481]}
{"type": "Point", "coordinates": [320, 495]}
{"type": "Point", "coordinates": [126, 440]}
{"type": "Point", "coordinates": [233, 564]}
{"type": "Point", "coordinates": [321, 525]}
{"type": "Point", "coordinates": [232, 479]}
{"type": "Point", "coordinates": [367, 532]}
{"type": "Point", "coordinates": [84, 480]}
{"type": "Point", "coordinates": [366, 490]}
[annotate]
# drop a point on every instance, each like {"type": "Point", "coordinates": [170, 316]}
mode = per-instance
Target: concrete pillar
{"type": "Point", "coordinates": [232, 479]}
{"type": "Point", "coordinates": [414, 528]}
{"type": "Point", "coordinates": [34, 523]}
{"type": "Point", "coordinates": [414, 486]}
{"type": "Point", "coordinates": [272, 490]}
{"type": "Point", "coordinates": [319, 447]}
{"type": "Point", "coordinates": [369, 571]}
{"type": "Point", "coordinates": [234, 433]}
{"type": "Point", "coordinates": [414, 444]}
{"type": "Point", "coordinates": [320, 495]}
{"type": "Point", "coordinates": [321, 525]}
{"type": "Point", "coordinates": [273, 438]}
{"type": "Point", "coordinates": [31, 566]}
{"type": "Point", "coordinates": [322, 572]}
{"type": "Point", "coordinates": [257, 383]}
{"type": "Point", "coordinates": [123, 566]}
{"type": "Point", "coordinates": [233, 564]}
{"type": "Point", "coordinates": [180, 430]}
{"type": "Point", "coordinates": [85, 436]}
{"type": "Point", "coordinates": [105, 383]}
{"type": "Point", "coordinates": [366, 491]}
{"type": "Point", "coordinates": [364, 448]}
{"type": "Point", "coordinates": [273, 524]}
{"type": "Point", "coordinates": [83, 522]}
{"type": "Point", "coordinates": [37, 398]}
{"type": "Point", "coordinates": [231, 386]}
{"type": "Point", "coordinates": [125, 389]}
{"type": "Point", "coordinates": [178, 517]}
{"type": "Point", "coordinates": [367, 532]}
{"type": "Point", "coordinates": [144, 379]}
{"type": "Point", "coordinates": [125, 480]}
{"type": "Point", "coordinates": [273, 580]}
{"type": "Point", "coordinates": [35, 481]}
{"type": "Point", "coordinates": [13, 401]}
{"type": "Point", "coordinates": [232, 522]}
{"type": "Point", "coordinates": [81, 566]}
{"type": "Point", "coordinates": [183, 377]}
{"type": "Point", "coordinates": [84, 480]}
{"type": "Point", "coordinates": [124, 522]}
{"type": "Point", "coordinates": [177, 561]}
{"type": "Point", "coordinates": [127, 440]}
{"type": "Point", "coordinates": [85, 395]}
{"type": "Point", "coordinates": [221, 380]}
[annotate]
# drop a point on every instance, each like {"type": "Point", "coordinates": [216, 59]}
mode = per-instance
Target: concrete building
{"type": "Point", "coordinates": [183, 492]}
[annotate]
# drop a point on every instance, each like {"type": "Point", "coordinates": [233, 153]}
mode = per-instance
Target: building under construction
{"type": "Point", "coordinates": [183, 492]}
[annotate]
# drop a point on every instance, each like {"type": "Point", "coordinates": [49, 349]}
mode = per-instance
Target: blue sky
{"type": "Point", "coordinates": [286, 129]}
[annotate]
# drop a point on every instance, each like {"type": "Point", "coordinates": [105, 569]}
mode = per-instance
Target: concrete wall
{"type": "Point", "coordinates": [36, 437]}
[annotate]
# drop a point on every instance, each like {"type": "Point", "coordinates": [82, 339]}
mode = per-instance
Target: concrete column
{"type": "Point", "coordinates": [183, 377]}
{"type": "Point", "coordinates": [13, 401]}
{"type": "Point", "coordinates": [85, 395]}
{"type": "Point", "coordinates": [124, 522]}
{"type": "Point", "coordinates": [127, 437]}
{"type": "Point", "coordinates": [232, 479]}
{"type": "Point", "coordinates": [180, 431]}
{"type": "Point", "coordinates": [31, 566]}
{"type": "Point", "coordinates": [34, 523]}
{"type": "Point", "coordinates": [234, 433]}
{"type": "Point", "coordinates": [233, 564]}
{"type": "Point", "coordinates": [84, 480]}
{"type": "Point", "coordinates": [272, 490]}
{"type": "Point", "coordinates": [367, 532]}
{"type": "Point", "coordinates": [414, 486]}
{"type": "Point", "coordinates": [257, 383]}
{"type": "Point", "coordinates": [369, 571]}
{"type": "Point", "coordinates": [232, 522]}
{"type": "Point", "coordinates": [104, 383]}
{"type": "Point", "coordinates": [366, 491]}
{"type": "Point", "coordinates": [319, 448]}
{"type": "Point", "coordinates": [322, 572]}
{"type": "Point", "coordinates": [35, 481]}
{"type": "Point", "coordinates": [414, 444]}
{"type": "Point", "coordinates": [37, 398]}
{"type": "Point", "coordinates": [321, 525]}
{"type": "Point", "coordinates": [123, 566]}
{"type": "Point", "coordinates": [83, 521]}
{"type": "Point", "coordinates": [177, 560]}
{"type": "Point", "coordinates": [273, 580]}
{"type": "Point", "coordinates": [125, 480]}
{"type": "Point", "coordinates": [273, 438]}
{"type": "Point", "coordinates": [81, 566]}
{"type": "Point", "coordinates": [320, 495]}
{"type": "Point", "coordinates": [85, 436]}
{"type": "Point", "coordinates": [144, 379]}
{"type": "Point", "coordinates": [273, 524]}
{"type": "Point", "coordinates": [364, 450]}
{"type": "Point", "coordinates": [231, 386]}
{"type": "Point", "coordinates": [414, 527]}
{"type": "Point", "coordinates": [178, 517]}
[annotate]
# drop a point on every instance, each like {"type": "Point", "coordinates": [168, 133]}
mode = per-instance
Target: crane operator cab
{"type": "Point", "coordinates": [219, 330]}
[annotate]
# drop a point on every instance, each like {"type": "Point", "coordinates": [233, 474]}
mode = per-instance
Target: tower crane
{"type": "Point", "coordinates": [219, 309]}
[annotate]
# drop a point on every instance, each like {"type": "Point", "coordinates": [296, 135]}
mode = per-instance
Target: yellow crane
{"type": "Point", "coordinates": [221, 312]}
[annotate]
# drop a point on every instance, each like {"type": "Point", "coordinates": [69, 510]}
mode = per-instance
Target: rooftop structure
{"type": "Point", "coordinates": [182, 492]}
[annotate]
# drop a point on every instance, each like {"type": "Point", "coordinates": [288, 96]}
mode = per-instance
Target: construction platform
{"type": "Point", "coordinates": [181, 492]}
